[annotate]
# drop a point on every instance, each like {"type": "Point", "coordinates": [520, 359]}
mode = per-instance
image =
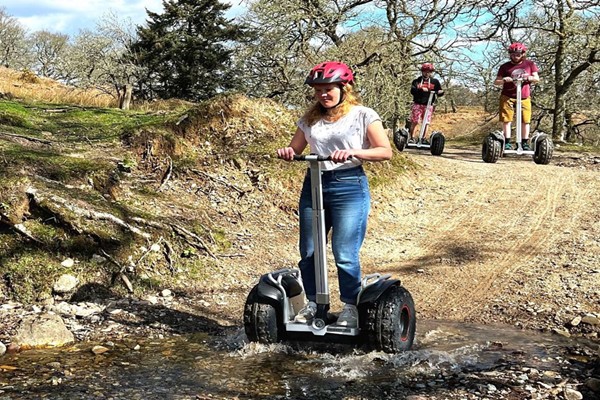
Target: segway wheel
{"type": "Point", "coordinates": [400, 139]}
{"type": "Point", "coordinates": [438, 141]}
{"type": "Point", "coordinates": [491, 149]}
{"type": "Point", "coordinates": [260, 321]}
{"type": "Point", "coordinates": [390, 322]}
{"type": "Point", "coordinates": [543, 150]}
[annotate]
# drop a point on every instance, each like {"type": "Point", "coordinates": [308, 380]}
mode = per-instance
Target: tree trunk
{"type": "Point", "coordinates": [125, 98]}
{"type": "Point", "coordinates": [558, 121]}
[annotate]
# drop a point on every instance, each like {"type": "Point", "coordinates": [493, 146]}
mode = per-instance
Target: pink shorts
{"type": "Point", "coordinates": [417, 113]}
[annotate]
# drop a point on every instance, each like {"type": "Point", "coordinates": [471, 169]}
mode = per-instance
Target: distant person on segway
{"type": "Point", "coordinates": [517, 67]}
{"type": "Point", "coordinates": [337, 125]}
{"type": "Point", "coordinates": [420, 89]}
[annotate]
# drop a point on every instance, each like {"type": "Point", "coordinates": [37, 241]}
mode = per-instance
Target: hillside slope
{"type": "Point", "coordinates": [198, 204]}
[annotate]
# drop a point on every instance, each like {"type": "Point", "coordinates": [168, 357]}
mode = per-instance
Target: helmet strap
{"type": "Point", "coordinates": [342, 98]}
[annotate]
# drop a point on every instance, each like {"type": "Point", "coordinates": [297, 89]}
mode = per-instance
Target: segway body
{"type": "Point", "coordinates": [437, 140]}
{"type": "Point", "coordinates": [541, 144]}
{"type": "Point", "coordinates": [387, 317]}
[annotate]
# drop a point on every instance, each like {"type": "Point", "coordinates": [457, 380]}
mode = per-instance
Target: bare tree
{"type": "Point", "coordinates": [14, 51]}
{"type": "Point", "coordinates": [574, 32]}
{"type": "Point", "coordinates": [384, 41]}
{"type": "Point", "coordinates": [101, 59]}
{"type": "Point", "coordinates": [49, 49]}
{"type": "Point", "coordinates": [563, 36]}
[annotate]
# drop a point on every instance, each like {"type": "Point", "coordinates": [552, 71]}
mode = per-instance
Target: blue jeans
{"type": "Point", "coordinates": [346, 202]}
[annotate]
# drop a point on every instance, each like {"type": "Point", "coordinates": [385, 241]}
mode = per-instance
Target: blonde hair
{"type": "Point", "coordinates": [316, 111]}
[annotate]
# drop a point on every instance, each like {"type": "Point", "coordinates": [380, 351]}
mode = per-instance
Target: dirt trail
{"type": "Point", "coordinates": [462, 235]}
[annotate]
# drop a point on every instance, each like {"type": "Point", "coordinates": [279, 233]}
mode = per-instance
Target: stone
{"type": "Point", "coordinates": [42, 330]}
{"type": "Point", "coordinates": [590, 320]}
{"type": "Point", "coordinates": [575, 321]}
{"type": "Point", "coordinates": [68, 263]}
{"type": "Point", "coordinates": [65, 284]}
{"type": "Point", "coordinates": [99, 350]}
{"type": "Point", "coordinates": [571, 394]}
{"type": "Point", "coordinates": [2, 349]}
{"type": "Point", "coordinates": [593, 384]}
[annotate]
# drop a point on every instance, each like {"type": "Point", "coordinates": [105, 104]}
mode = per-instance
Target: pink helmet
{"type": "Point", "coordinates": [330, 72]}
{"type": "Point", "coordinates": [427, 67]}
{"type": "Point", "coordinates": [514, 47]}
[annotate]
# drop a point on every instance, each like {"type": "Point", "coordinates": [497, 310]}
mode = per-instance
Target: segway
{"type": "Point", "coordinates": [387, 318]}
{"type": "Point", "coordinates": [436, 140]}
{"type": "Point", "coordinates": [493, 144]}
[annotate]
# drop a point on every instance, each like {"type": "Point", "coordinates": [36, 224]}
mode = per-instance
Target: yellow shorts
{"type": "Point", "coordinates": [508, 106]}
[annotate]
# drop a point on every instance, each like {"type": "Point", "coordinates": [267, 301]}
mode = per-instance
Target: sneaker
{"type": "Point", "coordinates": [424, 141]}
{"type": "Point", "coordinates": [307, 313]}
{"type": "Point", "coordinates": [411, 140]}
{"type": "Point", "coordinates": [508, 146]}
{"type": "Point", "coordinates": [348, 317]}
{"type": "Point", "coordinates": [525, 146]}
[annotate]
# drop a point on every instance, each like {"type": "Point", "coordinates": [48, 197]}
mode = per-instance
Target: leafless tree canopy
{"type": "Point", "coordinates": [384, 41]}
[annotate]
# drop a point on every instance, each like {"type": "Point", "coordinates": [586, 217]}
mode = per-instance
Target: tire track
{"type": "Point", "coordinates": [465, 254]}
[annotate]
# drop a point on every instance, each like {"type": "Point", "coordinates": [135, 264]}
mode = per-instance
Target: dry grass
{"type": "Point", "coordinates": [235, 114]}
{"type": "Point", "coordinates": [467, 121]}
{"type": "Point", "coordinates": [26, 85]}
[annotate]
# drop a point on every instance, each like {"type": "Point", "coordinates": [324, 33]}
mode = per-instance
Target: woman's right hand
{"type": "Point", "coordinates": [286, 153]}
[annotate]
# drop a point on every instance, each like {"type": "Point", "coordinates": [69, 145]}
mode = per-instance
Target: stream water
{"type": "Point", "coordinates": [204, 367]}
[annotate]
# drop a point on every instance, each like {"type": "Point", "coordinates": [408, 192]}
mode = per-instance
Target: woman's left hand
{"type": "Point", "coordinates": [340, 156]}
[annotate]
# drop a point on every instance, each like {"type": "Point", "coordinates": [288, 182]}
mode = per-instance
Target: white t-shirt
{"type": "Point", "coordinates": [349, 132]}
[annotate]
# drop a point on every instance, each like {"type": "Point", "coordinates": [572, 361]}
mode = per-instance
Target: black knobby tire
{"type": "Point", "coordinates": [543, 151]}
{"type": "Point", "coordinates": [389, 323]}
{"type": "Point", "coordinates": [260, 321]}
{"type": "Point", "coordinates": [399, 140]}
{"type": "Point", "coordinates": [438, 141]}
{"type": "Point", "coordinates": [491, 149]}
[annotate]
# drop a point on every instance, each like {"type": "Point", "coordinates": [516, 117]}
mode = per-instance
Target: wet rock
{"type": "Point", "coordinates": [590, 320]}
{"type": "Point", "coordinates": [65, 284]}
{"type": "Point", "coordinates": [575, 321]}
{"type": "Point", "coordinates": [593, 384]}
{"type": "Point", "coordinates": [43, 330]}
{"type": "Point", "coordinates": [561, 332]}
{"type": "Point", "coordinates": [571, 394]}
{"type": "Point", "coordinates": [99, 350]}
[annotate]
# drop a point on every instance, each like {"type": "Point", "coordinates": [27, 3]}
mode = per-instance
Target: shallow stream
{"type": "Point", "coordinates": [445, 356]}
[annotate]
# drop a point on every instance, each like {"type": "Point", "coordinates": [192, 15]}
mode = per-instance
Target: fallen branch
{"type": "Point", "coordinates": [31, 139]}
{"type": "Point", "coordinates": [167, 175]}
{"type": "Point", "coordinates": [119, 274]}
{"type": "Point", "coordinates": [167, 252]}
{"type": "Point", "coordinates": [197, 241]}
{"type": "Point", "coordinates": [20, 228]}
{"type": "Point", "coordinates": [232, 255]}
{"type": "Point", "coordinates": [87, 213]}
{"type": "Point", "coordinates": [187, 234]}
{"type": "Point", "coordinates": [221, 181]}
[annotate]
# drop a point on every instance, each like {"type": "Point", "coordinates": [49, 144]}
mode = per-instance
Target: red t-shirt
{"type": "Point", "coordinates": [524, 68]}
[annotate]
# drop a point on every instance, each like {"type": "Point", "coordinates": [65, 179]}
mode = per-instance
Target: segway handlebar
{"type": "Point", "coordinates": [311, 157]}
{"type": "Point", "coordinates": [314, 157]}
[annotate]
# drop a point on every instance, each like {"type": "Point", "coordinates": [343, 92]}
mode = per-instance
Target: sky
{"type": "Point", "coordinates": [69, 16]}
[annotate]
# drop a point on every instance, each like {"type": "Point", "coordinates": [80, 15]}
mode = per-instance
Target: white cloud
{"type": "Point", "coordinates": [69, 16]}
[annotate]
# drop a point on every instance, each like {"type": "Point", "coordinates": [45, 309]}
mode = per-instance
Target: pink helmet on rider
{"type": "Point", "coordinates": [330, 72]}
{"type": "Point", "coordinates": [427, 67]}
{"type": "Point", "coordinates": [517, 47]}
